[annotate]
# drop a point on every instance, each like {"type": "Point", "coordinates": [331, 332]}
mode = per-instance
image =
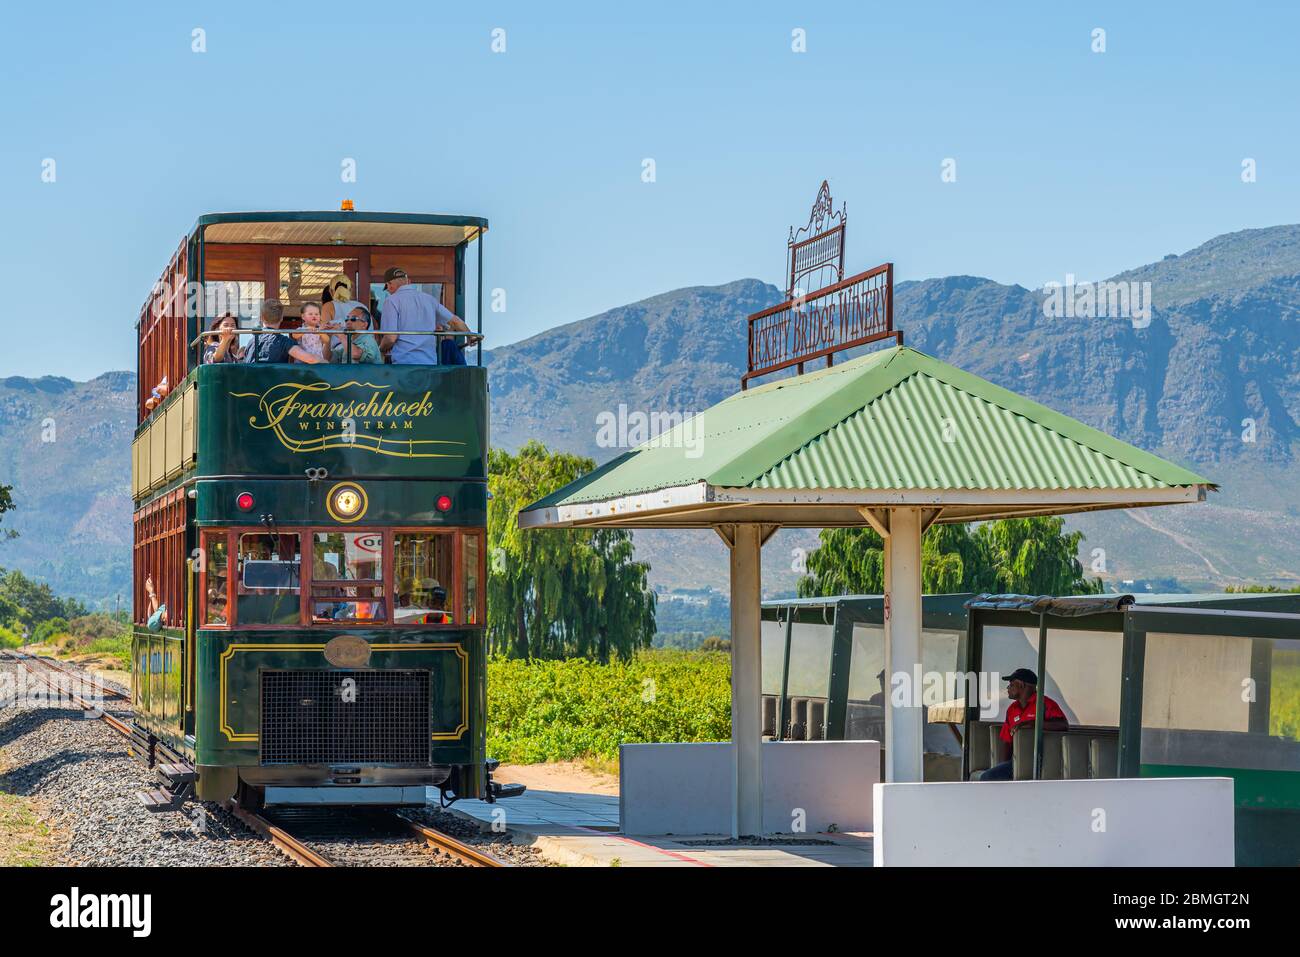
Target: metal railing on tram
{"type": "Point", "coordinates": [472, 339]}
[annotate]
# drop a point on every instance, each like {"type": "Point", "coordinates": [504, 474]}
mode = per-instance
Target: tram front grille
{"type": "Point", "coordinates": [345, 717]}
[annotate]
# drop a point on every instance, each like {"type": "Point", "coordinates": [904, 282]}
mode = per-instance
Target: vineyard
{"type": "Point", "coordinates": [577, 709]}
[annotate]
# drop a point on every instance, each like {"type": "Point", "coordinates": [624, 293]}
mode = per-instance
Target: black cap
{"type": "Point", "coordinates": [1022, 674]}
{"type": "Point", "coordinates": [394, 272]}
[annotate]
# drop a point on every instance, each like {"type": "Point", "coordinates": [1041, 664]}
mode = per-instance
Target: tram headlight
{"type": "Point", "coordinates": [346, 502]}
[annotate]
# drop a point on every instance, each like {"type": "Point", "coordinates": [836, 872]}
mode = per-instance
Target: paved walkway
{"type": "Point", "coordinates": [579, 830]}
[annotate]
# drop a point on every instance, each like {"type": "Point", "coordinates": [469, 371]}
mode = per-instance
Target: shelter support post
{"type": "Point", "coordinates": [904, 722]}
{"type": "Point", "coordinates": [746, 543]}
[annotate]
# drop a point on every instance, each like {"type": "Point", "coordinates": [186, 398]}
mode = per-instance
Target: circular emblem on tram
{"type": "Point", "coordinates": [347, 651]}
{"type": "Point", "coordinates": [346, 502]}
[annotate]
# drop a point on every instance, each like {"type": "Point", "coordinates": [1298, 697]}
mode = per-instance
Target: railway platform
{"type": "Point", "coordinates": [581, 830]}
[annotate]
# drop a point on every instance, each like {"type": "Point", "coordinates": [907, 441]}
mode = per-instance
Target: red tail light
{"type": "Point", "coordinates": [444, 503]}
{"type": "Point", "coordinates": [244, 501]}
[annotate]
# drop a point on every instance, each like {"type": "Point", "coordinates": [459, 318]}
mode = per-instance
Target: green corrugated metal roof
{"type": "Point", "coordinates": [894, 419]}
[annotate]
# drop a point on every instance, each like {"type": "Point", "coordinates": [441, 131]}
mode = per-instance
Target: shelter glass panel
{"type": "Point", "coordinates": [1224, 702]}
{"type": "Point", "coordinates": [1084, 669]}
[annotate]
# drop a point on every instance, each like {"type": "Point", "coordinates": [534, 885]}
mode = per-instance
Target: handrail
{"type": "Point", "coordinates": [216, 334]}
{"type": "Point", "coordinates": [347, 353]}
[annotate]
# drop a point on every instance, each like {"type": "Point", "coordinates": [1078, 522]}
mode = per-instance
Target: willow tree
{"type": "Point", "coordinates": [1017, 555]}
{"type": "Point", "coordinates": [1035, 556]}
{"type": "Point", "coordinates": [558, 593]}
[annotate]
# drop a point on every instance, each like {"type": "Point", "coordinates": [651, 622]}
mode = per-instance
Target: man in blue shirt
{"type": "Point", "coordinates": [408, 309]}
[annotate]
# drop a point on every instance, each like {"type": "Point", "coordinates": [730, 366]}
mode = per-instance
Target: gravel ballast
{"type": "Point", "coordinates": [77, 770]}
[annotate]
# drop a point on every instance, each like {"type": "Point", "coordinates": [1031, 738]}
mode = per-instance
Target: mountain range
{"type": "Point", "coordinates": [1209, 378]}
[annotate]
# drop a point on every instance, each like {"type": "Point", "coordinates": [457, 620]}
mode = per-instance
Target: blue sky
{"type": "Point", "coordinates": [1068, 161]}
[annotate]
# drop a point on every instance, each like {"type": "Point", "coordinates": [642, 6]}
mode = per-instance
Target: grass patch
{"type": "Point", "coordinates": [582, 710]}
{"type": "Point", "coordinates": [24, 840]}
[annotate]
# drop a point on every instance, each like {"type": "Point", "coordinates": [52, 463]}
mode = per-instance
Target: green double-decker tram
{"type": "Point", "coordinates": [309, 537]}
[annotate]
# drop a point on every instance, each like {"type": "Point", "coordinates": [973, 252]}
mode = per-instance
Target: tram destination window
{"type": "Point", "coordinates": [423, 578]}
{"type": "Point", "coordinates": [270, 571]}
{"type": "Point", "coordinates": [347, 577]}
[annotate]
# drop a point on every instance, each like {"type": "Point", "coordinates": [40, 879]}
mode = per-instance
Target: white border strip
{"type": "Point", "coordinates": [686, 498]}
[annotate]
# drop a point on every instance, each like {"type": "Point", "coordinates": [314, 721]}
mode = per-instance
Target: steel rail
{"type": "Point", "coordinates": [284, 842]}
{"type": "Point", "coordinates": [56, 666]}
{"type": "Point", "coordinates": [113, 722]}
{"type": "Point", "coordinates": [441, 841]}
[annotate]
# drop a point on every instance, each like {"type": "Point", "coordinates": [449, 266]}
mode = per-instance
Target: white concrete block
{"type": "Point", "coordinates": [686, 788]}
{"type": "Point", "coordinates": [1126, 822]}
{"type": "Point", "coordinates": [674, 788]}
{"type": "Point", "coordinates": [830, 781]}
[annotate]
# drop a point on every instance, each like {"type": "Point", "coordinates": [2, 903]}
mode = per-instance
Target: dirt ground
{"type": "Point", "coordinates": [558, 776]}
{"type": "Point", "coordinates": [103, 667]}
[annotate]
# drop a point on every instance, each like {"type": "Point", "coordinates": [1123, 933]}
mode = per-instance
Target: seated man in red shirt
{"type": "Point", "coordinates": [1022, 689]}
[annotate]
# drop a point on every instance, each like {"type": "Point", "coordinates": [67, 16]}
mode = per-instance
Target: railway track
{"type": "Point", "coordinates": [359, 836]}
{"type": "Point", "coordinates": [274, 825]}
{"type": "Point", "coordinates": [48, 668]}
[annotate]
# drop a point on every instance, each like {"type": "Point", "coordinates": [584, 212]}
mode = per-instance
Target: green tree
{"type": "Point", "coordinates": [1035, 556]}
{"type": "Point", "coordinates": [1017, 555]}
{"type": "Point", "coordinates": [24, 603]}
{"type": "Point", "coordinates": [7, 505]}
{"type": "Point", "coordinates": [557, 593]}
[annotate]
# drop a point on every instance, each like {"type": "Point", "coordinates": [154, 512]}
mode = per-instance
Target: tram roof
{"type": "Point", "coordinates": [340, 228]}
{"type": "Point", "coordinates": [893, 428]}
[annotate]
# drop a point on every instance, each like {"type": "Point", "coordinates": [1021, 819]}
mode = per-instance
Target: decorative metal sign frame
{"type": "Point", "coordinates": [843, 315]}
{"type": "Point", "coordinates": [822, 242]}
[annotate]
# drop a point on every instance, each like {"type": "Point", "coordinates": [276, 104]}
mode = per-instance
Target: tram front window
{"type": "Point", "coordinates": [423, 578]}
{"type": "Point", "coordinates": [269, 572]}
{"type": "Point", "coordinates": [347, 577]}
{"type": "Point", "coordinates": [216, 611]}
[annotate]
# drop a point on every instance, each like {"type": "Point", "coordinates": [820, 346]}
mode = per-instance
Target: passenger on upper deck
{"type": "Point", "coordinates": [310, 337]}
{"type": "Point", "coordinates": [338, 303]}
{"type": "Point", "coordinates": [364, 347]}
{"type": "Point", "coordinates": [223, 341]}
{"type": "Point", "coordinates": [1022, 689]}
{"type": "Point", "coordinates": [275, 346]}
{"type": "Point", "coordinates": [408, 309]}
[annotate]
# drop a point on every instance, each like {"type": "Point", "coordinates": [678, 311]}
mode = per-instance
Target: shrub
{"type": "Point", "coordinates": [49, 631]}
{"type": "Point", "coordinates": [9, 638]}
{"type": "Point", "coordinates": [117, 647]}
{"type": "Point", "coordinates": [89, 628]}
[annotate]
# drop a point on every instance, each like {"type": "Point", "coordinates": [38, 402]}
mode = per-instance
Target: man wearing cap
{"type": "Point", "coordinates": [1022, 689]}
{"type": "Point", "coordinates": [409, 309]}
